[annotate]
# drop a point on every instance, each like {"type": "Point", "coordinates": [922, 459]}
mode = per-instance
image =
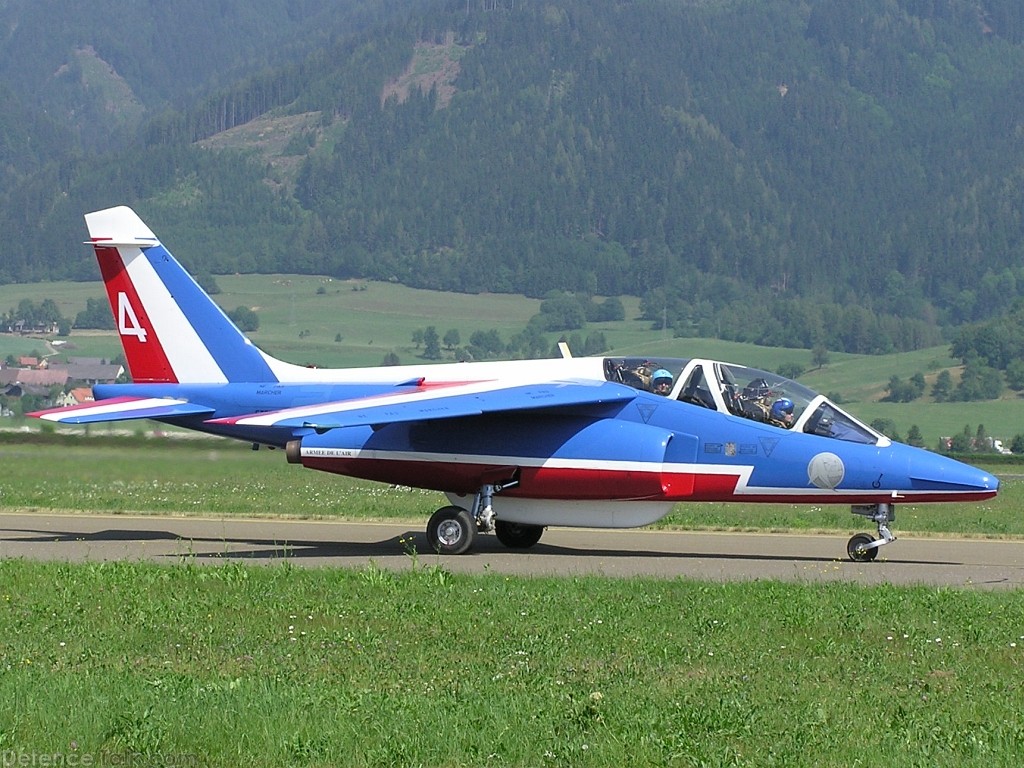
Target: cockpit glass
{"type": "Point", "coordinates": [763, 396]}
{"type": "Point", "coordinates": [747, 392]}
{"type": "Point", "coordinates": [828, 421]}
{"type": "Point", "coordinates": [648, 374]}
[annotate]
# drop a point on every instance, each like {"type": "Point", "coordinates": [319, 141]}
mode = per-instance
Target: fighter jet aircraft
{"type": "Point", "coordinates": [516, 446]}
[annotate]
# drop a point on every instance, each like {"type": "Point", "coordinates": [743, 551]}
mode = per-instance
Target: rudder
{"type": "Point", "coordinates": [170, 329]}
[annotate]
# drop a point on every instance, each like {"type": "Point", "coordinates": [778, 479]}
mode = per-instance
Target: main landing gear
{"type": "Point", "coordinates": [863, 547]}
{"type": "Point", "coordinates": [451, 530]}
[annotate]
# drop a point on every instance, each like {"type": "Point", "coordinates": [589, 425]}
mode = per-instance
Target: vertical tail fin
{"type": "Point", "coordinates": [171, 330]}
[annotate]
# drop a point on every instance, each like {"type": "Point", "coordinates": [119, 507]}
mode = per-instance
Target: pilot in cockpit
{"type": "Point", "coordinates": [781, 413]}
{"type": "Point", "coordinates": [661, 382]}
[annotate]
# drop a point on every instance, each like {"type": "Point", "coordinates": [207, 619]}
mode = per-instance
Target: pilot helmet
{"type": "Point", "coordinates": [781, 408]}
{"type": "Point", "coordinates": [757, 389]}
{"type": "Point", "coordinates": [661, 376]}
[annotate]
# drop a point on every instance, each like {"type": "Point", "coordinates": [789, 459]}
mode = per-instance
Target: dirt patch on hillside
{"type": "Point", "coordinates": [432, 66]}
{"type": "Point", "coordinates": [272, 137]}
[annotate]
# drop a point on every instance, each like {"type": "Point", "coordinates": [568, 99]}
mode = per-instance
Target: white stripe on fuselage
{"type": "Point", "coordinates": [519, 461]}
{"type": "Point", "coordinates": [741, 473]}
{"type": "Point", "coordinates": [190, 360]}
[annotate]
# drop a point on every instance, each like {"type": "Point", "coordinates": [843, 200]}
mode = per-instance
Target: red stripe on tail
{"type": "Point", "coordinates": [147, 360]}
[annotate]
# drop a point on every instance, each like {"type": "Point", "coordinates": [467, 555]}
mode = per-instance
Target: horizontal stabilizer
{"type": "Point", "coordinates": [123, 409]}
{"type": "Point", "coordinates": [432, 403]}
{"type": "Point", "coordinates": [123, 242]}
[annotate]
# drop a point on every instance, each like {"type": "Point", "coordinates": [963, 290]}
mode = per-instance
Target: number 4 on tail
{"type": "Point", "coordinates": [127, 321]}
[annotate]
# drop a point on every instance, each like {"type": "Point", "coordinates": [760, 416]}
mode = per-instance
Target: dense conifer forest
{"type": "Point", "coordinates": [835, 173]}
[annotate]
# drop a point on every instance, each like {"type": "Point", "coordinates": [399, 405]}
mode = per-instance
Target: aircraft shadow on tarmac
{"type": "Point", "coordinates": [262, 548]}
{"type": "Point", "coordinates": [404, 544]}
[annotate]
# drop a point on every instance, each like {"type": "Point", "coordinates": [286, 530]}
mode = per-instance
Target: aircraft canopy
{"type": "Point", "coordinates": [746, 392]}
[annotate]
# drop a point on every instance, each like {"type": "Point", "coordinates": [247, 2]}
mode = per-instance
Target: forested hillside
{"type": "Point", "coordinates": [101, 68]}
{"type": "Point", "coordinates": [842, 173]}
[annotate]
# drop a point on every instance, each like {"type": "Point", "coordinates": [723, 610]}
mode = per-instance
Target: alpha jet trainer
{"type": "Point", "coordinates": [516, 446]}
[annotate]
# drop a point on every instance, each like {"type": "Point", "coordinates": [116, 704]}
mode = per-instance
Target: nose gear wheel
{"type": "Point", "coordinates": [863, 547]}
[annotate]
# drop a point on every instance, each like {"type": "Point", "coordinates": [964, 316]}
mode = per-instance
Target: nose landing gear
{"type": "Point", "coordinates": [863, 547]}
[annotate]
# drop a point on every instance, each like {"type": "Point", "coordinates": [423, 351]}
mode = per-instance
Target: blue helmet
{"type": "Point", "coordinates": [659, 374]}
{"type": "Point", "coordinates": [781, 408]}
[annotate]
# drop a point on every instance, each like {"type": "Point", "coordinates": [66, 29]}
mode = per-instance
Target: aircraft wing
{"type": "Point", "coordinates": [123, 409]}
{"type": "Point", "coordinates": [442, 401]}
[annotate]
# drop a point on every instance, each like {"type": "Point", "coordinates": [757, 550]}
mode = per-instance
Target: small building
{"type": "Point", "coordinates": [75, 396]}
{"type": "Point", "coordinates": [34, 377]}
{"type": "Point", "coordinates": [82, 395]}
{"type": "Point", "coordinates": [92, 373]}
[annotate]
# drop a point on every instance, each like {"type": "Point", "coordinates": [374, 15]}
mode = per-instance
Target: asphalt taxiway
{"type": "Point", "coordinates": [717, 556]}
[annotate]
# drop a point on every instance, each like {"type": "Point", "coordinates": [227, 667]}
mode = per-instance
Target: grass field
{"type": "Point", "coordinates": [18, 345]}
{"type": "Point", "coordinates": [134, 664]}
{"type": "Point", "coordinates": [235, 665]}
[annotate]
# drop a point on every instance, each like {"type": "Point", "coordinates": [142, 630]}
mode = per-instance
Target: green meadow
{"type": "Point", "coordinates": [128, 663]}
{"type": "Point", "coordinates": [231, 665]}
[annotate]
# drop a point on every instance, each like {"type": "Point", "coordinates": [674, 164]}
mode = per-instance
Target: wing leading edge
{"type": "Point", "coordinates": [427, 404]}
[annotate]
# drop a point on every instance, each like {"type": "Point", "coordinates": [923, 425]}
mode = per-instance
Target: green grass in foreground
{"type": "Point", "coordinates": [219, 477]}
{"type": "Point", "coordinates": [267, 666]}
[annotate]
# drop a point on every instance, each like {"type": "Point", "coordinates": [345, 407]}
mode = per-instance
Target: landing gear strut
{"type": "Point", "coordinates": [483, 512]}
{"type": "Point", "coordinates": [863, 547]}
{"type": "Point", "coordinates": [452, 530]}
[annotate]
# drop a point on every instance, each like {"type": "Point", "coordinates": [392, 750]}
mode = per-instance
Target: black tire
{"type": "Point", "coordinates": [450, 531]}
{"type": "Point", "coordinates": [517, 535]}
{"type": "Point", "coordinates": [855, 548]}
